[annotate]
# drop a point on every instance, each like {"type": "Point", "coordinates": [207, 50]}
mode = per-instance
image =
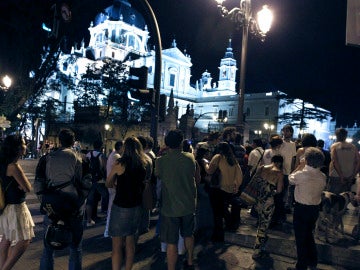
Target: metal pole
{"type": "Point", "coordinates": [149, 14]}
{"type": "Point", "coordinates": [245, 34]}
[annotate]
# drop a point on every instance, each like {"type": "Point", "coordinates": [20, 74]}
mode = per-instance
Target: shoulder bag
{"type": "Point", "coordinates": [250, 192]}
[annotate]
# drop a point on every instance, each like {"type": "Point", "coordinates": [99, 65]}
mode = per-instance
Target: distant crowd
{"type": "Point", "coordinates": [199, 191]}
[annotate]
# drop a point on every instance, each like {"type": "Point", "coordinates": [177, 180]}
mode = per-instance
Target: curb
{"type": "Point", "coordinates": [347, 255]}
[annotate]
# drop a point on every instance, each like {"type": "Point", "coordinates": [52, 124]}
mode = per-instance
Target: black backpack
{"type": "Point", "coordinates": [96, 171]}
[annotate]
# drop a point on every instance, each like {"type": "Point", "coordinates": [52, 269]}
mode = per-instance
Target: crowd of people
{"type": "Point", "coordinates": [195, 186]}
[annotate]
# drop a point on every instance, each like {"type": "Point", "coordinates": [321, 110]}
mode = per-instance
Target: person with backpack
{"type": "Point", "coordinates": [97, 168]}
{"type": "Point", "coordinates": [59, 171]}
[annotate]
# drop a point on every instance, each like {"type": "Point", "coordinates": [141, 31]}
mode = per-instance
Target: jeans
{"type": "Point", "coordinates": [75, 256]}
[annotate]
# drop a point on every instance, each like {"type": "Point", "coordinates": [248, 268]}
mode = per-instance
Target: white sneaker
{"type": "Point", "coordinates": [90, 223]}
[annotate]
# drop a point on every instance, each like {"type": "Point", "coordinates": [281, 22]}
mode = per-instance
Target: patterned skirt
{"type": "Point", "coordinates": [16, 223]}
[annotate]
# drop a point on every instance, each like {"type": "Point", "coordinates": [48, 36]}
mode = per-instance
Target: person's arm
{"type": "Point", "coordinates": [238, 178]}
{"type": "Point", "coordinates": [78, 169]}
{"type": "Point", "coordinates": [117, 169]}
{"type": "Point", "coordinates": [300, 166]}
{"type": "Point", "coordinates": [299, 153]}
{"type": "Point", "coordinates": [197, 174]}
{"type": "Point", "coordinates": [357, 196]}
{"type": "Point", "coordinates": [149, 169]}
{"type": "Point", "coordinates": [214, 164]}
{"type": "Point", "coordinates": [15, 170]}
{"type": "Point", "coordinates": [356, 164]}
{"type": "Point", "coordinates": [336, 163]}
{"type": "Point", "coordinates": [292, 177]}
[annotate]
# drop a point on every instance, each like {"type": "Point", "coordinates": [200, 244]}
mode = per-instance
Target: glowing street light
{"type": "Point", "coordinates": [243, 17]}
{"type": "Point", "coordinates": [6, 80]}
{"type": "Point", "coordinates": [258, 132]}
{"type": "Point", "coordinates": [269, 128]}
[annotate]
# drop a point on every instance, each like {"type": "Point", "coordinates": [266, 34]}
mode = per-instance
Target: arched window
{"type": "Point", "coordinates": [133, 41]}
{"type": "Point", "coordinates": [172, 76]}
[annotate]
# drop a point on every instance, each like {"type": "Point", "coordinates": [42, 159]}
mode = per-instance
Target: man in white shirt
{"type": "Point", "coordinates": [309, 184]}
{"type": "Point", "coordinates": [288, 152]}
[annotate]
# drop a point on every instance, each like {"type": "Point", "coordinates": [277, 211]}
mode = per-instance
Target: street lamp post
{"type": "Point", "coordinates": [243, 17]}
{"type": "Point", "coordinates": [150, 17]}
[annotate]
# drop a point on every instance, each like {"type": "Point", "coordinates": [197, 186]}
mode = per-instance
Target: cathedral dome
{"type": "Point", "coordinates": [121, 10]}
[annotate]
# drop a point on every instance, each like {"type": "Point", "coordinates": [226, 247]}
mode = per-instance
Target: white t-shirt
{"type": "Point", "coordinates": [254, 157]}
{"type": "Point", "coordinates": [288, 152]}
{"type": "Point", "coordinates": [111, 160]}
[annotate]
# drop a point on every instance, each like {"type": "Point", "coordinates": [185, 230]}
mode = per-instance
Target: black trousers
{"type": "Point", "coordinates": [279, 215]}
{"type": "Point", "coordinates": [305, 217]}
{"type": "Point", "coordinates": [225, 207]}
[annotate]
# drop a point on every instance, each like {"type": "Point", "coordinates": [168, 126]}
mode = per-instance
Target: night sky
{"type": "Point", "coordinates": [304, 54]}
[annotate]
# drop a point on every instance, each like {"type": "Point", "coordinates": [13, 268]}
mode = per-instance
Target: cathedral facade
{"type": "Point", "coordinates": [120, 33]}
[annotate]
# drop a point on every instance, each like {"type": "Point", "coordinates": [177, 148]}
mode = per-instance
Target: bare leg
{"type": "Point", "coordinates": [130, 251]}
{"type": "Point", "coordinates": [172, 255]}
{"type": "Point", "coordinates": [88, 213]}
{"type": "Point", "coordinates": [4, 248]}
{"type": "Point", "coordinates": [189, 245]}
{"type": "Point", "coordinates": [15, 253]}
{"type": "Point", "coordinates": [117, 253]}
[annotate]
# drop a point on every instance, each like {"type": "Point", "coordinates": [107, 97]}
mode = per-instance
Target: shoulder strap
{"type": "Point", "coordinates": [257, 164]}
{"type": "Point", "coordinates": [54, 188]}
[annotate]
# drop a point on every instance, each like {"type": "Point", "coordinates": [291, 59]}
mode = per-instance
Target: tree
{"type": "Point", "coordinates": [300, 112]}
{"type": "Point", "coordinates": [89, 88]}
{"type": "Point", "coordinates": [114, 75]}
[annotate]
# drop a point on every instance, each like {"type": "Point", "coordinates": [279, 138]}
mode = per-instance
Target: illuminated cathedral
{"type": "Point", "coordinates": [120, 33]}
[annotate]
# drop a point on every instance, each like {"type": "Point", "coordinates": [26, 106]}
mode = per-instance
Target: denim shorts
{"type": "Point", "coordinates": [124, 221]}
{"type": "Point", "coordinates": [170, 227]}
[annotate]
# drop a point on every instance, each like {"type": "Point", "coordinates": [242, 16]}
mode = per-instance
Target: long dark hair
{"type": "Point", "coordinates": [10, 151]}
{"type": "Point", "coordinates": [133, 156]}
{"type": "Point", "coordinates": [225, 150]}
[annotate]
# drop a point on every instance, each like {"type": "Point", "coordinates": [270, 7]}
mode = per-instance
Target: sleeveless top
{"type": "Point", "coordinates": [129, 188]}
{"type": "Point", "coordinates": [13, 195]}
{"type": "Point", "coordinates": [265, 187]}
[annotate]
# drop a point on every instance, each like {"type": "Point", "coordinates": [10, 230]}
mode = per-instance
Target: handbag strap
{"type": "Point", "coordinates": [257, 164]}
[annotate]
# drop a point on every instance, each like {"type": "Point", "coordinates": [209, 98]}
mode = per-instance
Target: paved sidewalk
{"type": "Point", "coordinates": [234, 254]}
{"type": "Point", "coordinates": [341, 254]}
{"type": "Point", "coordinates": [97, 254]}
